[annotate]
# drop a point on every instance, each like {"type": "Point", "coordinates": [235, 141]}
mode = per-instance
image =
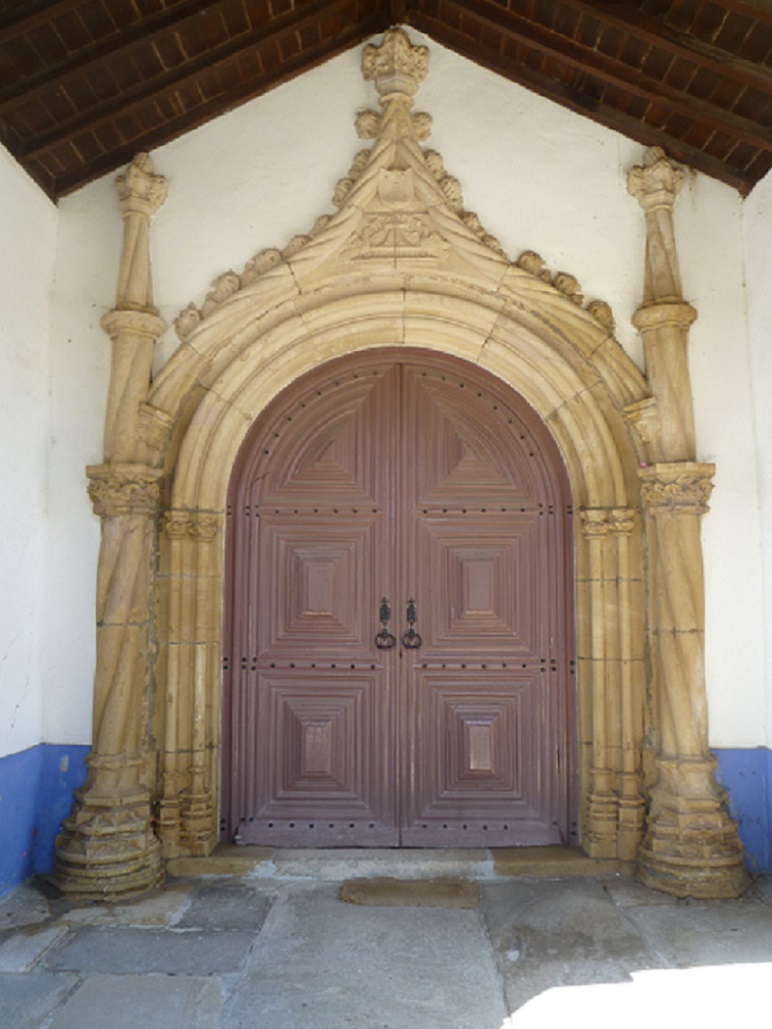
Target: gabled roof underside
{"type": "Point", "coordinates": [86, 84]}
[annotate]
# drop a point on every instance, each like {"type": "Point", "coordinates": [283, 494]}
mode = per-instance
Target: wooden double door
{"type": "Point", "coordinates": [398, 635]}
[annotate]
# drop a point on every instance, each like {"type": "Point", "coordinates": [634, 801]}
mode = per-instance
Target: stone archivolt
{"type": "Point", "coordinates": [400, 262]}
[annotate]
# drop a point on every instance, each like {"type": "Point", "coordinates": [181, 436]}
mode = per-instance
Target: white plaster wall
{"type": "Point", "coordinates": [27, 248]}
{"type": "Point", "coordinates": [709, 224]}
{"type": "Point", "coordinates": [84, 288]}
{"type": "Point", "coordinates": [758, 249]}
{"type": "Point", "coordinates": [540, 178]}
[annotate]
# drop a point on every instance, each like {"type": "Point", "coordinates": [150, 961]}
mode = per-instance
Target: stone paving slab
{"type": "Point", "coordinates": [21, 952]}
{"type": "Point", "coordinates": [143, 951]}
{"type": "Point", "coordinates": [26, 1001]}
{"type": "Point", "coordinates": [159, 908]}
{"type": "Point", "coordinates": [325, 964]}
{"type": "Point", "coordinates": [225, 905]}
{"type": "Point", "coordinates": [24, 905]}
{"type": "Point", "coordinates": [708, 933]}
{"type": "Point", "coordinates": [553, 934]}
{"type": "Point", "coordinates": [142, 1002]}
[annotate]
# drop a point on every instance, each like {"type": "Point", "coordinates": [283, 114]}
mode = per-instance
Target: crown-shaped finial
{"type": "Point", "coordinates": [396, 66]}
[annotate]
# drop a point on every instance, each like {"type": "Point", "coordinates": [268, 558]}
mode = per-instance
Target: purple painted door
{"type": "Point", "coordinates": [421, 480]}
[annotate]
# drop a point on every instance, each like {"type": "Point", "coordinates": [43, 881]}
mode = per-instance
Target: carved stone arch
{"type": "Point", "coordinates": [565, 375]}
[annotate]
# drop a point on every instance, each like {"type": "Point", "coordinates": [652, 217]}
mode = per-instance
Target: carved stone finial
{"type": "Point", "coordinates": [657, 182]}
{"type": "Point", "coordinates": [140, 190]}
{"type": "Point", "coordinates": [140, 194]}
{"type": "Point", "coordinates": [396, 66]}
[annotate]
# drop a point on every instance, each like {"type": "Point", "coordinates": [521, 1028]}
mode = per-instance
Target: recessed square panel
{"type": "Point", "coordinates": [320, 587]}
{"type": "Point", "coordinates": [483, 587]}
{"type": "Point", "coordinates": [480, 756]}
{"type": "Point", "coordinates": [315, 755]}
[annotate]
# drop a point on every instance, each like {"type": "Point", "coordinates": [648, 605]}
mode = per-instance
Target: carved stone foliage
{"type": "Point", "coordinates": [124, 489]}
{"type": "Point", "coordinates": [140, 189]}
{"type": "Point", "coordinates": [683, 487]}
{"type": "Point", "coordinates": [396, 65]}
{"type": "Point", "coordinates": [200, 526]}
{"type": "Point", "coordinates": [534, 264]}
{"type": "Point", "coordinates": [395, 221]}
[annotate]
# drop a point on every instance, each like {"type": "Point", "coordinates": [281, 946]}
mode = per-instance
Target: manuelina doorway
{"type": "Point", "coordinates": [399, 614]}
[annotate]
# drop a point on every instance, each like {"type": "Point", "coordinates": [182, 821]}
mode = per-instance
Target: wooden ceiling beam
{"type": "Point", "coordinates": [625, 16]}
{"type": "Point", "coordinates": [592, 63]}
{"type": "Point", "coordinates": [32, 16]}
{"type": "Point", "coordinates": [130, 99]}
{"type": "Point", "coordinates": [174, 128]}
{"type": "Point", "coordinates": [398, 12]}
{"type": "Point", "coordinates": [145, 33]}
{"type": "Point", "coordinates": [611, 118]}
{"type": "Point", "coordinates": [756, 10]}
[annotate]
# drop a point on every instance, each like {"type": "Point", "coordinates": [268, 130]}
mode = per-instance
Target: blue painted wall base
{"type": "Point", "coordinates": [746, 775]}
{"type": "Point", "coordinates": [36, 788]}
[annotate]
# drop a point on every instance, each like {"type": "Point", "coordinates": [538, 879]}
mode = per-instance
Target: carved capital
{"type": "Point", "coordinates": [657, 182]}
{"type": "Point", "coordinates": [595, 523]}
{"type": "Point", "coordinates": [396, 66]}
{"type": "Point", "coordinates": [598, 522]}
{"type": "Point", "coordinates": [140, 191]}
{"type": "Point", "coordinates": [200, 526]}
{"type": "Point", "coordinates": [124, 489]}
{"type": "Point", "coordinates": [678, 487]}
{"type": "Point", "coordinates": [621, 520]}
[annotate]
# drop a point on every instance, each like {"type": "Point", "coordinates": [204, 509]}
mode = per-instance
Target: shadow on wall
{"type": "Point", "coordinates": [36, 788]}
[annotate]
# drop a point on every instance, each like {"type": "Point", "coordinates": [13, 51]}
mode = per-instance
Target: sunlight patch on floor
{"type": "Point", "coordinates": [657, 999]}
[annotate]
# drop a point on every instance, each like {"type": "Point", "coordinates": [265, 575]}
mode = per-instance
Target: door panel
{"type": "Point", "coordinates": [404, 475]}
{"type": "Point", "coordinates": [478, 760]}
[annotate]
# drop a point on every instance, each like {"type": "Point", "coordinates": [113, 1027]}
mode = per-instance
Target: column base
{"type": "Point", "coordinates": [107, 850]}
{"type": "Point", "coordinates": [199, 825]}
{"type": "Point", "coordinates": [691, 847]}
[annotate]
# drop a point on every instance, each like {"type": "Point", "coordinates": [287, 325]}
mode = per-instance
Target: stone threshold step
{"type": "Point", "coordinates": [336, 865]}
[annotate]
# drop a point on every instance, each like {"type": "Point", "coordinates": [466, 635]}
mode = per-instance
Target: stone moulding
{"type": "Point", "coordinates": [401, 262]}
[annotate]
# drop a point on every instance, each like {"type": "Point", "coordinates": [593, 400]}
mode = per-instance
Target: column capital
{"type": "Point", "coordinates": [677, 487]}
{"type": "Point", "coordinates": [124, 489]}
{"type": "Point", "coordinates": [594, 522]}
{"type": "Point", "coordinates": [199, 526]}
{"type": "Point", "coordinates": [598, 522]}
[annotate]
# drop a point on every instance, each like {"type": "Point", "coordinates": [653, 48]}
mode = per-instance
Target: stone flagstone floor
{"type": "Point", "coordinates": [287, 953]}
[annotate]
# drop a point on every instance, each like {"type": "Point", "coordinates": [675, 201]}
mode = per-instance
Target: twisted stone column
{"type": "Point", "coordinates": [107, 848]}
{"type": "Point", "coordinates": [690, 846]}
